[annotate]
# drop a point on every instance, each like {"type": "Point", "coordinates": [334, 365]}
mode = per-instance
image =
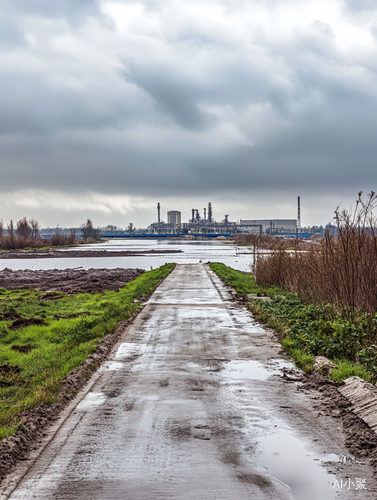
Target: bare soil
{"type": "Point", "coordinates": [361, 440]}
{"type": "Point", "coordinates": [69, 254]}
{"type": "Point", "coordinates": [68, 281]}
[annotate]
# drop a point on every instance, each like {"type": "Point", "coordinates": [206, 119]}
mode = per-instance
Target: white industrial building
{"type": "Point", "coordinates": [174, 217]}
{"type": "Point", "coordinates": [268, 226]}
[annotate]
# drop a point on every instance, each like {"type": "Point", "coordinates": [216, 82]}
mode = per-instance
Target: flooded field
{"type": "Point", "coordinates": [192, 253]}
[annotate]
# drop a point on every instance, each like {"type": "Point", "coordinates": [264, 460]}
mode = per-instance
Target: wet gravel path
{"type": "Point", "coordinates": [193, 405]}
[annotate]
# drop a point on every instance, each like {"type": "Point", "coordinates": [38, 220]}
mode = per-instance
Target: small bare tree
{"type": "Point", "coordinates": [1, 228]}
{"type": "Point", "coordinates": [23, 229]}
{"type": "Point", "coordinates": [89, 231]}
{"type": "Point", "coordinates": [35, 227]}
{"type": "Point", "coordinates": [11, 233]}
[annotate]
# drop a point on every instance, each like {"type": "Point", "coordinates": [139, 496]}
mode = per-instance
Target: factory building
{"type": "Point", "coordinates": [268, 226]}
{"type": "Point", "coordinates": [203, 223]}
{"type": "Point", "coordinates": [174, 217]}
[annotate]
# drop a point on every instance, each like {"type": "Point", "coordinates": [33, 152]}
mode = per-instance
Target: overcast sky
{"type": "Point", "coordinates": [108, 107]}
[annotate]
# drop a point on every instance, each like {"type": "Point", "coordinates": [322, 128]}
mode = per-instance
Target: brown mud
{"type": "Point", "coordinates": [68, 281]}
{"type": "Point", "coordinates": [69, 254]}
{"type": "Point", "coordinates": [361, 440]}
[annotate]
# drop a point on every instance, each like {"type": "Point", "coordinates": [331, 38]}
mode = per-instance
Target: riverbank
{"type": "Point", "coordinates": [68, 281]}
{"type": "Point", "coordinates": [49, 346]}
{"type": "Point", "coordinates": [69, 254]}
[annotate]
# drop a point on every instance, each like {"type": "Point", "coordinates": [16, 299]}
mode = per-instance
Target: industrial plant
{"type": "Point", "coordinates": [204, 224]}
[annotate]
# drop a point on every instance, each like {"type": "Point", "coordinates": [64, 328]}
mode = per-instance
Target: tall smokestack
{"type": "Point", "coordinates": [158, 213]}
{"type": "Point", "coordinates": [205, 212]}
{"type": "Point", "coordinates": [298, 213]}
{"type": "Point", "coordinates": [192, 214]}
{"type": "Point", "coordinates": [209, 212]}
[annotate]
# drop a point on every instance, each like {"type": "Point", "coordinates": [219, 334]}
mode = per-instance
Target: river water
{"type": "Point", "coordinates": [193, 252]}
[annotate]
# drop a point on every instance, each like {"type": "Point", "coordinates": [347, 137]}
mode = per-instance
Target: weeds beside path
{"type": "Point", "coordinates": [309, 330]}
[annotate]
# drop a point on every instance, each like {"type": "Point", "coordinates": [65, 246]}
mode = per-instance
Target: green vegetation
{"type": "Point", "coordinates": [71, 329]}
{"type": "Point", "coordinates": [241, 282]}
{"type": "Point", "coordinates": [308, 330]}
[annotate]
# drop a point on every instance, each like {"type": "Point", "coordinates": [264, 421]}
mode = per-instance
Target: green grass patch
{"type": "Point", "coordinates": [73, 326]}
{"type": "Point", "coordinates": [241, 282]}
{"type": "Point", "coordinates": [308, 330]}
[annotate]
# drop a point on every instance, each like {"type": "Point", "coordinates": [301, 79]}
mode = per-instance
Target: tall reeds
{"type": "Point", "coordinates": [341, 270]}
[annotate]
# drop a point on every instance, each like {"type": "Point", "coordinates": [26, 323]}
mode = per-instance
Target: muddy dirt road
{"type": "Point", "coordinates": [192, 406]}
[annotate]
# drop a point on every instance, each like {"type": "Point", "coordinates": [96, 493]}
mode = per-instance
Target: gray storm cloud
{"type": "Point", "coordinates": [210, 97]}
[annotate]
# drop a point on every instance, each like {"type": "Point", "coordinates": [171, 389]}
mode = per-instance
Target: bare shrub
{"type": "Point", "coordinates": [35, 227]}
{"type": "Point", "coordinates": [11, 235]}
{"type": "Point", "coordinates": [88, 231]}
{"type": "Point", "coordinates": [265, 242]}
{"type": "Point", "coordinates": [23, 229]}
{"type": "Point", "coordinates": [56, 240]}
{"type": "Point", "coordinates": [341, 270]}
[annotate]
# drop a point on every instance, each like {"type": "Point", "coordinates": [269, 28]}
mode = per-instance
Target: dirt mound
{"type": "Point", "coordinates": [22, 322]}
{"type": "Point", "coordinates": [68, 281]}
{"type": "Point", "coordinates": [361, 440]}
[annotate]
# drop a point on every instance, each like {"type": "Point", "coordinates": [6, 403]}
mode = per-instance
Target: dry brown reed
{"type": "Point", "coordinates": [341, 270]}
{"type": "Point", "coordinates": [265, 242]}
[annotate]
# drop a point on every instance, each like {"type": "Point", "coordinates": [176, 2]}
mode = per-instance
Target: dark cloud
{"type": "Point", "coordinates": [173, 104]}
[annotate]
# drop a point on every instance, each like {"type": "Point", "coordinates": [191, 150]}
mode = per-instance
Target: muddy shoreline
{"type": "Point", "coordinates": [71, 254]}
{"type": "Point", "coordinates": [68, 280]}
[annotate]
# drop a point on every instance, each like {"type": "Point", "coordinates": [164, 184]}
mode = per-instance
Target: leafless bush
{"type": "Point", "coordinates": [265, 242]}
{"type": "Point", "coordinates": [35, 227]}
{"type": "Point", "coordinates": [26, 235]}
{"type": "Point", "coordinates": [341, 270]}
{"type": "Point", "coordinates": [89, 231]}
{"type": "Point", "coordinates": [23, 229]}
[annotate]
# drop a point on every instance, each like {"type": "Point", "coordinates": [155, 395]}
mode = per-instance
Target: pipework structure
{"type": "Point", "coordinates": [207, 225]}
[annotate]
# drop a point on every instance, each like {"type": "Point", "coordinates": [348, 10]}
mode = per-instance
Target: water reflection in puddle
{"type": "Point", "coordinates": [111, 366]}
{"type": "Point", "coordinates": [287, 458]}
{"type": "Point", "coordinates": [280, 453]}
{"type": "Point", "coordinates": [92, 399]}
{"type": "Point", "coordinates": [250, 369]}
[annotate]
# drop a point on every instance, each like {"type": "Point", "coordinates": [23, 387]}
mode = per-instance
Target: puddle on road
{"type": "Point", "coordinates": [129, 349]}
{"type": "Point", "coordinates": [287, 459]}
{"type": "Point", "coordinates": [280, 452]}
{"type": "Point", "coordinates": [111, 366]}
{"type": "Point", "coordinates": [250, 369]}
{"type": "Point", "coordinates": [91, 399]}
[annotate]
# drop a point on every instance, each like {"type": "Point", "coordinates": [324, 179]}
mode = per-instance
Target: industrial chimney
{"type": "Point", "coordinates": [298, 213]}
{"type": "Point", "coordinates": [209, 212]}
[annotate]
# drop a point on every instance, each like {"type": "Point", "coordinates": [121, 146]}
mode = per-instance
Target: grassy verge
{"type": "Point", "coordinates": [306, 331]}
{"type": "Point", "coordinates": [72, 327]}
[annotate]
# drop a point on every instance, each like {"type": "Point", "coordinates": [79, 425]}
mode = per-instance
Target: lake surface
{"type": "Point", "coordinates": [192, 252]}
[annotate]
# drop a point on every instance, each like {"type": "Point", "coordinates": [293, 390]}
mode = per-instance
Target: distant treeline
{"type": "Point", "coordinates": [25, 233]}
